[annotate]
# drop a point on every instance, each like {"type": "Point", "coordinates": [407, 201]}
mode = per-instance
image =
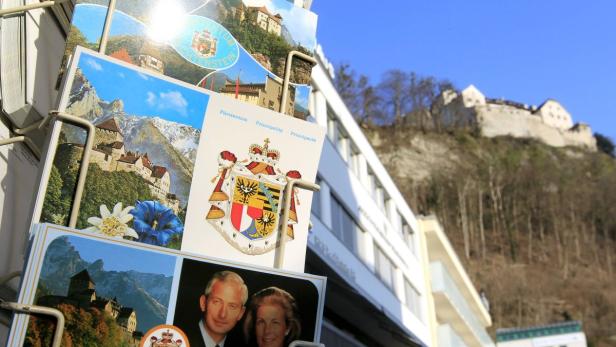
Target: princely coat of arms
{"type": "Point", "coordinates": [247, 200]}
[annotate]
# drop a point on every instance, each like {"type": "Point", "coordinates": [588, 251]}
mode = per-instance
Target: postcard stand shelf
{"type": "Point", "coordinates": [63, 117]}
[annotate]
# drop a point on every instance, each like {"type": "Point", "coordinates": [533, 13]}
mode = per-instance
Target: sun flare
{"type": "Point", "coordinates": [166, 20]}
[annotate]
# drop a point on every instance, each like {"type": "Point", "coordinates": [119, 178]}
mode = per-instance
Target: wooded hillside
{"type": "Point", "coordinates": [535, 226]}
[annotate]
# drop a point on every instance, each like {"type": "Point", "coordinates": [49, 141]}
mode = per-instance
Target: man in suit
{"type": "Point", "coordinates": [222, 305]}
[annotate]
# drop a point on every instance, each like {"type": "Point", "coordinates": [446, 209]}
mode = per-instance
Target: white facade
{"type": "Point", "coordinates": [459, 317]}
{"type": "Point", "coordinates": [362, 227]}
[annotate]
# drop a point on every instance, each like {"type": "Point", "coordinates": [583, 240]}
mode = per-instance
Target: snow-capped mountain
{"type": "Point", "coordinates": [184, 138]}
{"type": "Point", "coordinates": [168, 144]}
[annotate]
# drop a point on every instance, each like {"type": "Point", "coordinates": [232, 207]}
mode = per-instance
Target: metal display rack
{"type": "Point", "coordinates": [63, 117]}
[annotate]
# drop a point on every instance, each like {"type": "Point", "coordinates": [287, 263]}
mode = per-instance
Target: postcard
{"type": "Point", "coordinates": [123, 293]}
{"type": "Point", "coordinates": [142, 162]}
{"type": "Point", "coordinates": [245, 160]}
{"type": "Point", "coordinates": [234, 47]}
{"type": "Point", "coordinates": [180, 167]}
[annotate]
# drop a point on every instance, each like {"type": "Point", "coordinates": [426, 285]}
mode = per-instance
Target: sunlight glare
{"type": "Point", "coordinates": [166, 20]}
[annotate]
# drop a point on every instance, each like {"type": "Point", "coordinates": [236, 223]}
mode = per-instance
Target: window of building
{"type": "Point", "coordinates": [332, 126]}
{"type": "Point", "coordinates": [385, 268]}
{"type": "Point", "coordinates": [354, 160]}
{"type": "Point", "coordinates": [412, 297]}
{"type": "Point", "coordinates": [343, 144]}
{"type": "Point", "coordinates": [395, 219]}
{"type": "Point", "coordinates": [371, 183]}
{"type": "Point", "coordinates": [409, 236]}
{"type": "Point", "coordinates": [316, 200]}
{"type": "Point", "coordinates": [343, 225]}
{"type": "Point", "coordinates": [380, 196]}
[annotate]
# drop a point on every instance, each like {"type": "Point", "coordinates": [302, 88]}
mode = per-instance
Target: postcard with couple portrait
{"type": "Point", "coordinates": [116, 292]}
{"type": "Point", "coordinates": [177, 166]}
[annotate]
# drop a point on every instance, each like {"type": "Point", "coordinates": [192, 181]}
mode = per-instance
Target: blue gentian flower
{"type": "Point", "coordinates": [155, 223]}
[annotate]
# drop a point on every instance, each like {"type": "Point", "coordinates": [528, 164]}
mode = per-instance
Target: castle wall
{"type": "Point", "coordinates": [551, 123]}
{"type": "Point", "coordinates": [580, 136]}
{"type": "Point", "coordinates": [502, 120]}
{"type": "Point", "coordinates": [101, 159]}
{"type": "Point", "coordinates": [103, 136]}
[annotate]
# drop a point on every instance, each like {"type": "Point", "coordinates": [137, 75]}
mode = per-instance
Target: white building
{"type": "Point", "coordinates": [459, 315]}
{"type": "Point", "coordinates": [565, 334]}
{"type": "Point", "coordinates": [365, 238]}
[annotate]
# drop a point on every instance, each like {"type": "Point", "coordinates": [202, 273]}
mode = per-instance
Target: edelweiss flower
{"type": "Point", "coordinates": [113, 224]}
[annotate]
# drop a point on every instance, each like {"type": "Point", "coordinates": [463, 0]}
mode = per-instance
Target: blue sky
{"type": "Point", "coordinates": [119, 258]}
{"type": "Point", "coordinates": [523, 50]}
{"type": "Point", "coordinates": [90, 18]}
{"type": "Point", "coordinates": [144, 95]}
{"type": "Point", "coordinates": [300, 23]}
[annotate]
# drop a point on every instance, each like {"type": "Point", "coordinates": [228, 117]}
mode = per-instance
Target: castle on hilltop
{"type": "Point", "coordinates": [549, 123]}
{"type": "Point", "coordinates": [82, 294]}
{"type": "Point", "coordinates": [110, 154]}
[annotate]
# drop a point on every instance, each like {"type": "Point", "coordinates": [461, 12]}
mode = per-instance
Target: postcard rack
{"type": "Point", "coordinates": [24, 134]}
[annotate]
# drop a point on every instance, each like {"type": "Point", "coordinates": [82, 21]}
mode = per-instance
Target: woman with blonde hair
{"type": "Point", "coordinates": [272, 319]}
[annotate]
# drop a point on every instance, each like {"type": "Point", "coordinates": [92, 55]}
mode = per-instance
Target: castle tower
{"type": "Point", "coordinates": [108, 132]}
{"type": "Point", "coordinates": [82, 289]}
{"type": "Point", "coordinates": [79, 283]}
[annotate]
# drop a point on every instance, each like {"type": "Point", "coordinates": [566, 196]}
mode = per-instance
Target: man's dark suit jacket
{"type": "Point", "coordinates": [234, 338]}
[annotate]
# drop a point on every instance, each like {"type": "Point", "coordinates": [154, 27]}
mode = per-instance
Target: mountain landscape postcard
{"type": "Point", "coordinates": [109, 294]}
{"type": "Point", "coordinates": [234, 47]}
{"type": "Point", "coordinates": [141, 165]}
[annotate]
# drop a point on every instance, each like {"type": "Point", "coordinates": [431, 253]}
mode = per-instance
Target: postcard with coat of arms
{"type": "Point", "coordinates": [245, 159]}
{"type": "Point", "coordinates": [116, 292]}
{"type": "Point", "coordinates": [234, 47]}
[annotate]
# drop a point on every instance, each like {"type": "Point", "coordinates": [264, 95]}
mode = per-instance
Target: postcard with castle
{"type": "Point", "coordinates": [147, 131]}
{"type": "Point", "coordinates": [234, 47]}
{"type": "Point", "coordinates": [176, 166]}
{"type": "Point", "coordinates": [115, 292]}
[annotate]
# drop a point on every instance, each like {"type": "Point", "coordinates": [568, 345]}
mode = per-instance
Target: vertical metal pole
{"type": "Point", "coordinates": [85, 159]}
{"type": "Point", "coordinates": [282, 230]}
{"type": "Point", "coordinates": [105, 36]}
{"type": "Point", "coordinates": [287, 75]}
